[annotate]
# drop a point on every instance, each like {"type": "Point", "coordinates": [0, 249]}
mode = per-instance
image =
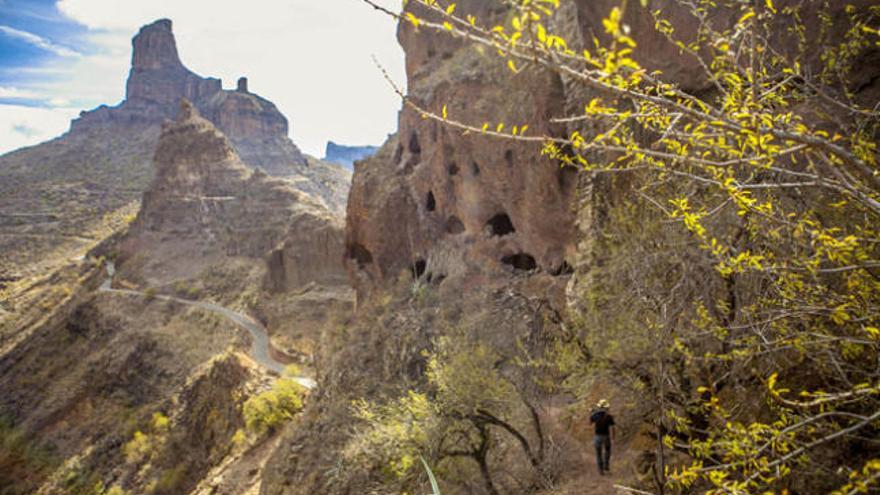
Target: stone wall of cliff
{"type": "Point", "coordinates": [204, 200]}
{"type": "Point", "coordinates": [501, 204]}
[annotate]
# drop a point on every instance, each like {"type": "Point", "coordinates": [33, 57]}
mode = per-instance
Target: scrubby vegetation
{"type": "Point", "coordinates": [143, 445]}
{"type": "Point", "coordinates": [266, 411]}
{"type": "Point", "coordinates": [472, 408]}
{"type": "Point", "coordinates": [23, 463]}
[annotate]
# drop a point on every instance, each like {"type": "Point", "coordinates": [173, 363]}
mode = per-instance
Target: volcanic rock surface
{"type": "Point", "coordinates": [204, 204]}
{"type": "Point", "coordinates": [158, 80]}
{"type": "Point", "coordinates": [500, 206]}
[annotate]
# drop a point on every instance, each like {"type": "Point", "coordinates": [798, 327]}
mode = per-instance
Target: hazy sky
{"type": "Point", "coordinates": [312, 58]}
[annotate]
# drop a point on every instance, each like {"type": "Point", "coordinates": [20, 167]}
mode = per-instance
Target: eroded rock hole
{"type": "Point", "coordinates": [500, 225]}
{"type": "Point", "coordinates": [508, 157]}
{"type": "Point", "coordinates": [563, 269]}
{"type": "Point", "coordinates": [454, 225]}
{"type": "Point", "coordinates": [475, 169]}
{"type": "Point", "coordinates": [398, 154]}
{"type": "Point", "coordinates": [520, 261]}
{"type": "Point", "coordinates": [567, 177]}
{"type": "Point", "coordinates": [452, 168]}
{"type": "Point", "coordinates": [418, 268]}
{"type": "Point", "coordinates": [414, 146]}
{"type": "Point", "coordinates": [430, 203]}
{"type": "Point", "coordinates": [360, 254]}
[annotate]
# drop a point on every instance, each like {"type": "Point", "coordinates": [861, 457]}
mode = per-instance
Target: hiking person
{"type": "Point", "coordinates": [605, 432]}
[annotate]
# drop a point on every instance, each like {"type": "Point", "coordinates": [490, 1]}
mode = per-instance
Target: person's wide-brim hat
{"type": "Point", "coordinates": [603, 403]}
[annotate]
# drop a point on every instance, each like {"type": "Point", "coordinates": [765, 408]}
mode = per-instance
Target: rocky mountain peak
{"type": "Point", "coordinates": [257, 130]}
{"type": "Point", "coordinates": [194, 158]}
{"type": "Point", "coordinates": [157, 77]}
{"type": "Point", "coordinates": [154, 47]}
{"type": "Point", "coordinates": [205, 198]}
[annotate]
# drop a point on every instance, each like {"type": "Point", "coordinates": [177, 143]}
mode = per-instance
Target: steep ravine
{"type": "Point", "coordinates": [261, 350]}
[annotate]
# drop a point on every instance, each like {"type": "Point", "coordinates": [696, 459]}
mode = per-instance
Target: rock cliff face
{"type": "Point", "coordinates": [158, 80]}
{"type": "Point", "coordinates": [204, 198]}
{"type": "Point", "coordinates": [157, 75]}
{"type": "Point", "coordinates": [502, 206]}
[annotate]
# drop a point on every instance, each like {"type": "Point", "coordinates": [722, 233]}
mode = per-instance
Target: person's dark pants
{"type": "Point", "coordinates": [603, 452]}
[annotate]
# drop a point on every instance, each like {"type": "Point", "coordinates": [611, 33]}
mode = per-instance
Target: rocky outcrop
{"type": "Point", "coordinates": [257, 130]}
{"type": "Point", "coordinates": [157, 76]}
{"type": "Point", "coordinates": [206, 199]}
{"type": "Point", "coordinates": [500, 205]}
{"type": "Point", "coordinates": [158, 80]}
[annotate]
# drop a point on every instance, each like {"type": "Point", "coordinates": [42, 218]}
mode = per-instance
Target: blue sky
{"type": "Point", "coordinates": [311, 57]}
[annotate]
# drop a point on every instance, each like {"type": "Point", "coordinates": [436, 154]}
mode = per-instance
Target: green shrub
{"type": "Point", "coordinates": [143, 445]}
{"type": "Point", "coordinates": [265, 411]}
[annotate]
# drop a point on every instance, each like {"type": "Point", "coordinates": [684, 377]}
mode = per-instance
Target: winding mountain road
{"type": "Point", "coordinates": [260, 344]}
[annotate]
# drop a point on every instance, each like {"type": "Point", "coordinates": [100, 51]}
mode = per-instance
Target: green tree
{"type": "Point", "coordinates": [473, 405]}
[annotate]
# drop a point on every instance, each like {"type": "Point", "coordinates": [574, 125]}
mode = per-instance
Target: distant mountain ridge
{"type": "Point", "coordinates": [347, 155]}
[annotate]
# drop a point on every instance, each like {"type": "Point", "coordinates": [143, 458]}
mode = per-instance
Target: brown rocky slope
{"type": "Point", "coordinates": [210, 229]}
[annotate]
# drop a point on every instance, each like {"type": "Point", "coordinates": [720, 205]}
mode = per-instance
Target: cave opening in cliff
{"type": "Point", "coordinates": [431, 203]}
{"type": "Point", "coordinates": [414, 147]}
{"type": "Point", "coordinates": [418, 268]}
{"type": "Point", "coordinates": [500, 225]}
{"type": "Point", "coordinates": [567, 178]}
{"type": "Point", "coordinates": [520, 261]}
{"type": "Point", "coordinates": [360, 254]}
{"type": "Point", "coordinates": [475, 169]}
{"type": "Point", "coordinates": [508, 158]}
{"type": "Point", "coordinates": [452, 168]}
{"type": "Point", "coordinates": [454, 225]}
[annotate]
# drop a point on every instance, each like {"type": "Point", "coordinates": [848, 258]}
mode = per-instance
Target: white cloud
{"type": "Point", "coordinates": [311, 58]}
{"type": "Point", "coordinates": [38, 41]}
{"type": "Point", "coordinates": [22, 126]}
{"type": "Point", "coordinates": [10, 92]}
